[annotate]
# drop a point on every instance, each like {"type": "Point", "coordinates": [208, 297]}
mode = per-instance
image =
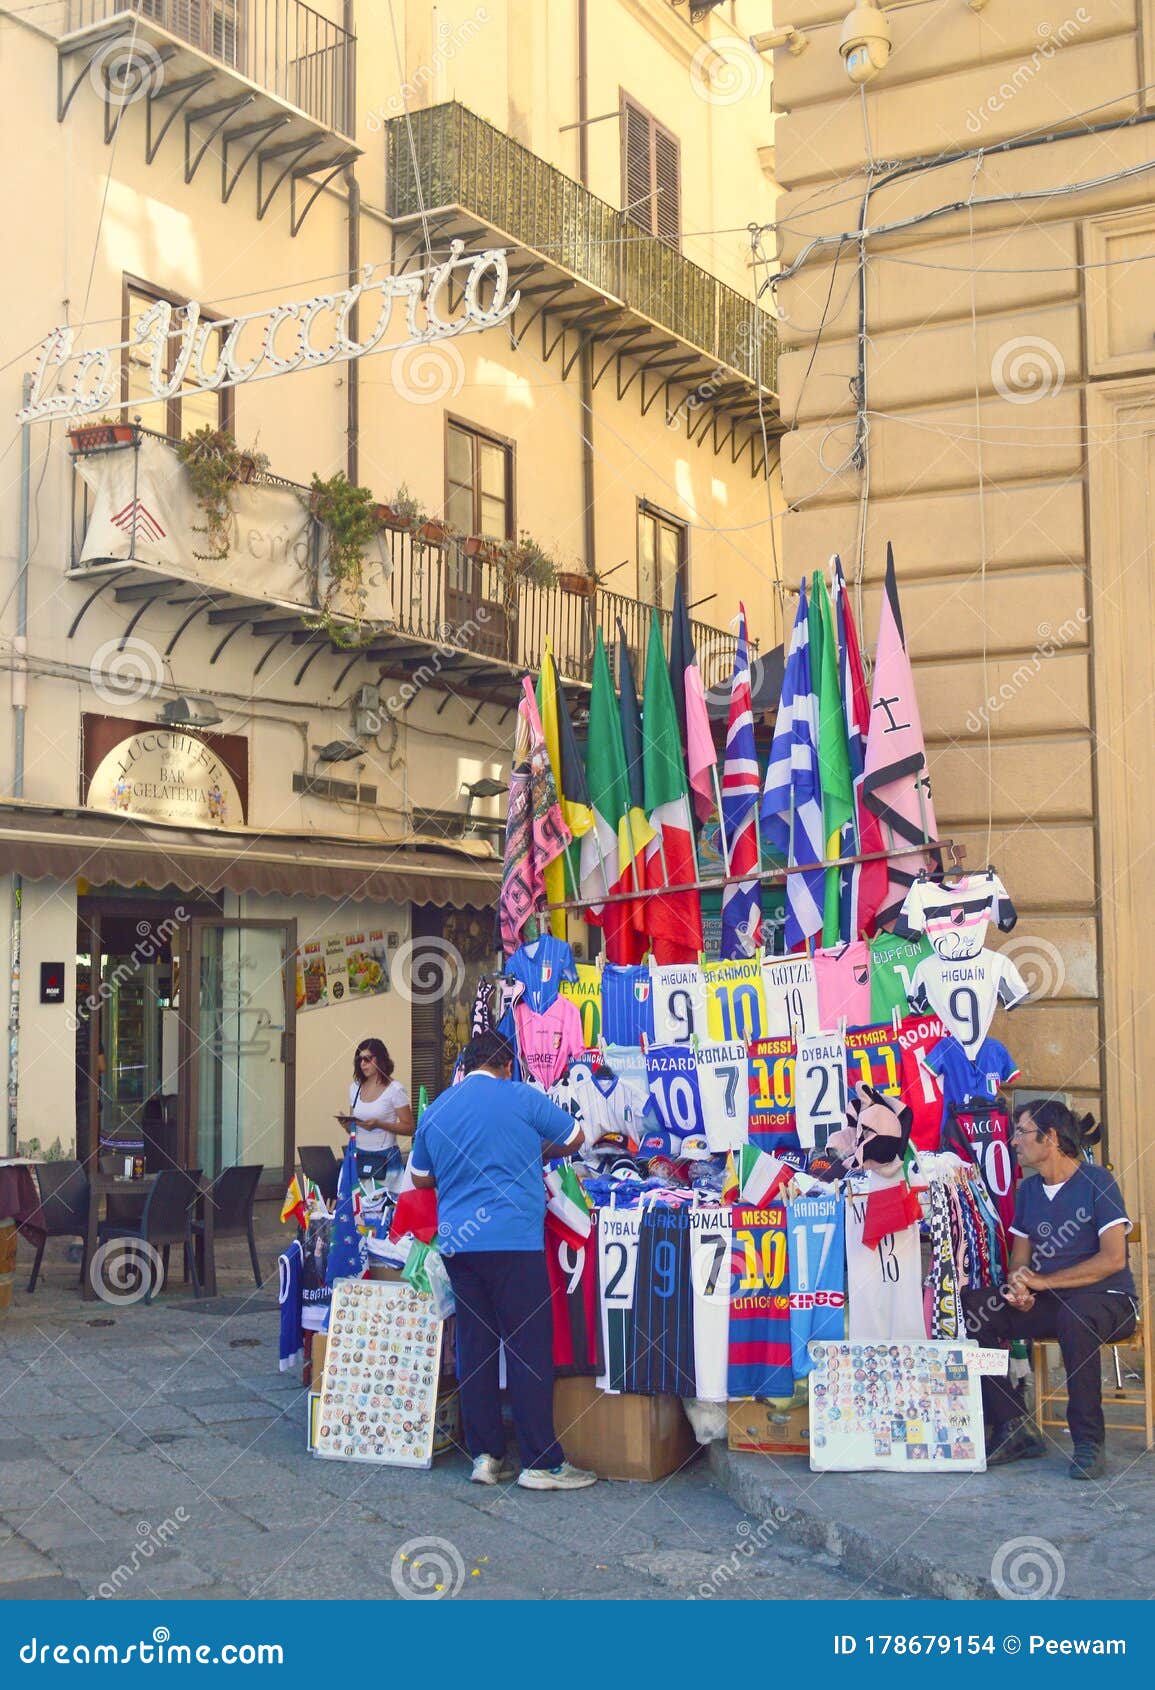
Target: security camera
{"type": "Point", "coordinates": [865, 42]}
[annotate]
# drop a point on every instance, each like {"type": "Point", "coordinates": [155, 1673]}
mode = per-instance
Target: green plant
{"type": "Point", "coordinates": [215, 464]}
{"type": "Point", "coordinates": [527, 558]}
{"type": "Point", "coordinates": [404, 505]}
{"type": "Point", "coordinates": [350, 517]}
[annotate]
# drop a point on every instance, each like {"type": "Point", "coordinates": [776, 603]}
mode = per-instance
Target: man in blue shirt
{"type": "Point", "coordinates": [482, 1144]}
{"type": "Point", "coordinates": [1068, 1281]}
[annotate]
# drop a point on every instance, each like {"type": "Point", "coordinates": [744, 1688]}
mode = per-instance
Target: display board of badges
{"type": "Point", "coordinates": [382, 1364]}
{"type": "Point", "coordinates": [897, 1406]}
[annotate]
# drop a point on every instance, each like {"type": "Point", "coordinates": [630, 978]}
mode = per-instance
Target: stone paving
{"type": "Point", "coordinates": [157, 1452]}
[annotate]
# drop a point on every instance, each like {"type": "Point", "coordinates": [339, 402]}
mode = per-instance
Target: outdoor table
{"type": "Point", "coordinates": [103, 1186]}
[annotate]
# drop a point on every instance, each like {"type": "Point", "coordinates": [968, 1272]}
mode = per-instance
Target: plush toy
{"type": "Point", "coordinates": [875, 1137]}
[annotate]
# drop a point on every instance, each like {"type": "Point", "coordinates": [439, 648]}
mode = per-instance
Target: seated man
{"type": "Point", "coordinates": [1068, 1281]}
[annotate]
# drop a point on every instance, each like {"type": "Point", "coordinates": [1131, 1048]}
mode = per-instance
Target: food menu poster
{"type": "Point", "coordinates": [342, 966]}
{"type": "Point", "coordinates": [906, 1406]}
{"type": "Point", "coordinates": [382, 1363]}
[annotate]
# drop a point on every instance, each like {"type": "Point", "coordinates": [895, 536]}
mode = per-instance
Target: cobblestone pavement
{"type": "Point", "coordinates": [157, 1452]}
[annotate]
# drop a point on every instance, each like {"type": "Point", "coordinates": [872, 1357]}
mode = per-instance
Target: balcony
{"type": "Point", "coordinates": [266, 84]}
{"type": "Point", "coordinates": [584, 267]}
{"type": "Point", "coordinates": [435, 616]}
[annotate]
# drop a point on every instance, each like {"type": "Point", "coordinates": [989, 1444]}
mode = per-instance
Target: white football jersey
{"type": "Point", "coordinates": [724, 1090]}
{"type": "Point", "coordinates": [711, 1242]}
{"type": "Point", "coordinates": [955, 916]}
{"type": "Point", "coordinates": [618, 1234]}
{"type": "Point", "coordinates": [604, 1103]}
{"type": "Point", "coordinates": [884, 1281]}
{"type": "Point", "coordinates": [965, 993]}
{"type": "Point", "coordinates": [791, 996]}
{"type": "Point", "coordinates": [819, 1088]}
{"type": "Point", "coordinates": [679, 994]}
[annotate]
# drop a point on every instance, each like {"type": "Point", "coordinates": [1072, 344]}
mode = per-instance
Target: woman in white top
{"type": "Point", "coordinates": [379, 1111]}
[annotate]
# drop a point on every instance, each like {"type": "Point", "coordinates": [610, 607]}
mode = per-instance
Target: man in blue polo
{"type": "Point", "coordinates": [1068, 1281]}
{"type": "Point", "coordinates": [482, 1144]}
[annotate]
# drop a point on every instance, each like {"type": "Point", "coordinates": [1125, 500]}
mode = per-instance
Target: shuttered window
{"type": "Point", "coordinates": [651, 174]}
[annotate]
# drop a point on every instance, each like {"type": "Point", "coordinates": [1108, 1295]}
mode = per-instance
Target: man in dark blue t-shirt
{"type": "Point", "coordinates": [482, 1144]}
{"type": "Point", "coordinates": [1068, 1282]}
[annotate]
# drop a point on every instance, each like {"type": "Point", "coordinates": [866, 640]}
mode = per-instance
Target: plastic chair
{"type": "Point", "coordinates": [233, 1195]}
{"type": "Point", "coordinates": [167, 1219]}
{"type": "Point", "coordinates": [319, 1164]}
{"type": "Point", "coordinates": [64, 1199]}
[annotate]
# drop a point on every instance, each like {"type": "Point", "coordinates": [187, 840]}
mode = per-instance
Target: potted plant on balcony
{"type": "Point", "coordinates": [487, 551]}
{"type": "Point", "coordinates": [527, 559]}
{"type": "Point", "coordinates": [105, 431]}
{"type": "Point", "coordinates": [583, 583]}
{"type": "Point", "coordinates": [215, 465]}
{"type": "Point", "coordinates": [351, 518]}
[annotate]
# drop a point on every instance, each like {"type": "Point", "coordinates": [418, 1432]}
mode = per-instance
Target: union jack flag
{"type": "Point", "coordinates": [741, 901]}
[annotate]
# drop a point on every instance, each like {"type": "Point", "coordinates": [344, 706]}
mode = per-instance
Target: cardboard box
{"type": "Point", "coordinates": [621, 1437]}
{"type": "Point", "coordinates": [315, 1346]}
{"type": "Point", "coordinates": [313, 1405]}
{"type": "Point", "coordinates": [769, 1427]}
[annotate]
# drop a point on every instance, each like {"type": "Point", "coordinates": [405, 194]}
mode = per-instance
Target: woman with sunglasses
{"type": "Point", "coordinates": [379, 1113]}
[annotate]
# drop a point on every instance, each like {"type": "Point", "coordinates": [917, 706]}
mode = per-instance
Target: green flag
{"type": "Point", "coordinates": [833, 752]}
{"type": "Point", "coordinates": [422, 1101]}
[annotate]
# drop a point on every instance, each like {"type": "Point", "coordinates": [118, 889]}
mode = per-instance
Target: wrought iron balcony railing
{"type": "Point", "coordinates": [282, 46]}
{"type": "Point", "coordinates": [462, 160]}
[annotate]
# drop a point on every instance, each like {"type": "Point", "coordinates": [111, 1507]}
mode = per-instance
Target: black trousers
{"type": "Point", "coordinates": [1079, 1321]}
{"type": "Point", "coordinates": [503, 1297]}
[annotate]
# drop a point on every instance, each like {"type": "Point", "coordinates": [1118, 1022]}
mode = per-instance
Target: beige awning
{"type": "Point", "coordinates": [42, 843]}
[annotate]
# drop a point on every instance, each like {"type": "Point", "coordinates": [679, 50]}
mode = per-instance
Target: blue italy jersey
{"type": "Point", "coordinates": [672, 1078]}
{"type": "Point", "coordinates": [541, 966]}
{"type": "Point", "coordinates": [817, 1259]}
{"type": "Point", "coordinates": [627, 1005]}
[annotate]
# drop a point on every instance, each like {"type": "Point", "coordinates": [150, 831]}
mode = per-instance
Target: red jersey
{"type": "Point", "coordinates": [921, 1089]}
{"type": "Point", "coordinates": [573, 1288]}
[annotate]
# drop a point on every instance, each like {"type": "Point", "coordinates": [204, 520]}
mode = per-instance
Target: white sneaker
{"type": "Point", "coordinates": [564, 1477]}
{"type": "Point", "coordinates": [488, 1470]}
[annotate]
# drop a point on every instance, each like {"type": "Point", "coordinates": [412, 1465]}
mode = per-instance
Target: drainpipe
{"type": "Point", "coordinates": [585, 361]}
{"type": "Point", "coordinates": [353, 256]}
{"type": "Point", "coordinates": [19, 711]}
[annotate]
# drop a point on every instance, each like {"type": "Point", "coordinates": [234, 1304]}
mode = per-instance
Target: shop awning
{"type": "Point", "coordinates": [43, 843]}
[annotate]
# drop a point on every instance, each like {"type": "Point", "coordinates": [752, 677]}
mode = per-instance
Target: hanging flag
{"type": "Point", "coordinates": [422, 1102]}
{"type": "Point", "coordinates": [741, 901]}
{"type": "Point", "coordinates": [792, 800]}
{"type": "Point", "coordinates": [631, 715]}
{"type": "Point", "coordinates": [833, 755]}
{"type": "Point", "coordinates": [863, 887]}
{"type": "Point", "coordinates": [570, 773]}
{"type": "Point", "coordinates": [608, 849]}
{"type": "Point", "coordinates": [546, 698]}
{"type": "Point", "coordinates": [896, 780]}
{"type": "Point", "coordinates": [535, 829]}
{"type": "Point", "coordinates": [346, 1259]}
{"type": "Point", "coordinates": [673, 919]}
{"type": "Point", "coordinates": [759, 1175]}
{"type": "Point", "coordinates": [690, 707]}
{"type": "Point", "coordinates": [567, 1202]}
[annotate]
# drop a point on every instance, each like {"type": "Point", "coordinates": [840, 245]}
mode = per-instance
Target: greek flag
{"type": "Point", "coordinates": [792, 796]}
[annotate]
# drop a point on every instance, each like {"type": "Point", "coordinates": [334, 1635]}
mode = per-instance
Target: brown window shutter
{"type": "Point", "coordinates": [637, 176]}
{"type": "Point", "coordinates": [668, 182]}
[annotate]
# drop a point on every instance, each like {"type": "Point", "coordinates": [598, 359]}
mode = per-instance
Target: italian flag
{"type": "Point", "coordinates": [673, 919]}
{"type": "Point", "coordinates": [568, 1203]}
{"type": "Point", "coordinates": [619, 832]}
{"type": "Point", "coordinates": [754, 1177]}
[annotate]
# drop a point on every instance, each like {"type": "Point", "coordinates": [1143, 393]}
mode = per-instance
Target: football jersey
{"type": "Point", "coordinates": [586, 994]}
{"type": "Point", "coordinates": [874, 1056]}
{"type": "Point", "coordinates": [955, 917]}
{"type": "Point", "coordinates": [573, 1286]}
{"type": "Point", "coordinates": [735, 1005]}
{"type": "Point", "coordinates": [759, 1305]}
{"type": "Point", "coordinates": [819, 1088]}
{"type": "Point", "coordinates": [627, 1005]}
{"type": "Point", "coordinates": [791, 996]}
{"type": "Point", "coordinates": [541, 966]}
{"type": "Point", "coordinates": [893, 961]}
{"type": "Point", "coordinates": [963, 1077]}
{"type": "Point", "coordinates": [989, 1132]}
{"type": "Point", "coordinates": [711, 1240]}
{"type": "Point", "coordinates": [628, 1062]}
{"type": "Point", "coordinates": [605, 1103]}
{"type": "Point", "coordinates": [724, 1090]}
{"type": "Point", "coordinates": [772, 1125]}
{"type": "Point", "coordinates": [672, 1077]}
{"type": "Point", "coordinates": [816, 1256]}
{"type": "Point", "coordinates": [661, 1355]}
{"type": "Point", "coordinates": [617, 1231]}
{"type": "Point", "coordinates": [679, 1003]}
{"type": "Point", "coordinates": [884, 1281]}
{"type": "Point", "coordinates": [921, 1087]}
{"type": "Point", "coordinates": [964, 994]}
{"type": "Point", "coordinates": [547, 1043]}
{"type": "Point", "coordinates": [842, 980]}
